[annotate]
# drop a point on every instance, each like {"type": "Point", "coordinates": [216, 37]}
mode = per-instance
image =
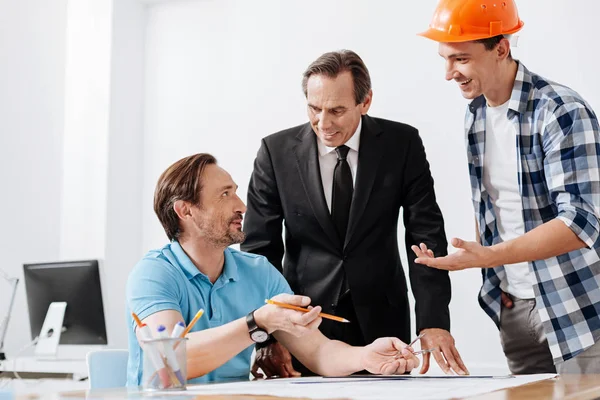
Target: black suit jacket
{"type": "Point", "coordinates": [392, 173]}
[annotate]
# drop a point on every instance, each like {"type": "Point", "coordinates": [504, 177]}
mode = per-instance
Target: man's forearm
{"type": "Point", "coordinates": [432, 291]}
{"type": "Point", "coordinates": [548, 240]}
{"type": "Point", "coordinates": [323, 356]}
{"type": "Point", "coordinates": [335, 358]}
{"type": "Point", "coordinates": [209, 349]}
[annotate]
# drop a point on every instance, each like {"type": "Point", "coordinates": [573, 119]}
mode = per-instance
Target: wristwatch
{"type": "Point", "coordinates": [257, 334]}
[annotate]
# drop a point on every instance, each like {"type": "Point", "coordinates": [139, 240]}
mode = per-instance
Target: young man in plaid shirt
{"type": "Point", "coordinates": [533, 149]}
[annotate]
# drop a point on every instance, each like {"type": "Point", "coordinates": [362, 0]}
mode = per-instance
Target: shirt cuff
{"type": "Point", "coordinates": [154, 308]}
{"type": "Point", "coordinates": [582, 223]}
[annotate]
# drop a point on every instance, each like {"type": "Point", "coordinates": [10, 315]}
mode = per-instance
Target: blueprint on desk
{"type": "Point", "coordinates": [370, 387]}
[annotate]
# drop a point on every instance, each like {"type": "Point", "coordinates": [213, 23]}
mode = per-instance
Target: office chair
{"type": "Point", "coordinates": [107, 368]}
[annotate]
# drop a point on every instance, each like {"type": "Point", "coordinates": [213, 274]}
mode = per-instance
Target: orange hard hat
{"type": "Point", "coordinates": [465, 20]}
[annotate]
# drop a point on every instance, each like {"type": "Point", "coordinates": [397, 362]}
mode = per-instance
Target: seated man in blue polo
{"type": "Point", "coordinates": [196, 203]}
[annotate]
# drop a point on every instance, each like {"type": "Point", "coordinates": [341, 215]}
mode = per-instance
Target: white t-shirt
{"type": "Point", "coordinates": [500, 178]}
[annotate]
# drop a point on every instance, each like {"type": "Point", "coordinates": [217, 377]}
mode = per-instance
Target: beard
{"type": "Point", "coordinates": [235, 236]}
{"type": "Point", "coordinates": [219, 237]}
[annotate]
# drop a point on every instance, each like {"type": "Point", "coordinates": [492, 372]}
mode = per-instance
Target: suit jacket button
{"type": "Point", "coordinates": [333, 305]}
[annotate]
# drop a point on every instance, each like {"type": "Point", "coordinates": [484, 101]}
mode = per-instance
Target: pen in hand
{"type": "Point", "coordinates": [416, 353]}
{"type": "Point", "coordinates": [415, 340]}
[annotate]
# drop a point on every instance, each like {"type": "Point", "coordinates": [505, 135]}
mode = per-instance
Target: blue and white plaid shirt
{"type": "Point", "coordinates": [558, 148]}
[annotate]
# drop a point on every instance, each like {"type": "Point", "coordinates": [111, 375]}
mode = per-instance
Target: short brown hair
{"type": "Point", "coordinates": [491, 43]}
{"type": "Point", "coordinates": [181, 181]}
{"type": "Point", "coordinates": [334, 63]}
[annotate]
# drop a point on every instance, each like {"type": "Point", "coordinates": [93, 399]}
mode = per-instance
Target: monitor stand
{"type": "Point", "coordinates": [47, 345]}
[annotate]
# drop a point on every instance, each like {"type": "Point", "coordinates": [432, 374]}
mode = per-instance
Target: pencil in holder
{"type": "Point", "coordinates": [165, 364]}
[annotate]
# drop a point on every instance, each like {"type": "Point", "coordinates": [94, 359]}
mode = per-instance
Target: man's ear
{"type": "Point", "coordinates": [182, 209]}
{"type": "Point", "coordinates": [366, 104]}
{"type": "Point", "coordinates": [503, 49]}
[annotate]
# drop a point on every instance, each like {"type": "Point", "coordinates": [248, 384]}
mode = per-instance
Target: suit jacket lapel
{"type": "Point", "coordinates": [310, 174]}
{"type": "Point", "coordinates": [369, 155]}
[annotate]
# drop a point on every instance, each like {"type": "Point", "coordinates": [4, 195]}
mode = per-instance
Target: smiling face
{"type": "Point", "coordinates": [473, 67]}
{"type": "Point", "coordinates": [332, 109]}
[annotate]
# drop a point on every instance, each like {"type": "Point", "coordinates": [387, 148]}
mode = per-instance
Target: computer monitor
{"type": "Point", "coordinates": [78, 284]}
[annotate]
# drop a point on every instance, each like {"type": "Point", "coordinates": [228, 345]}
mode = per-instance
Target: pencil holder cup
{"type": "Point", "coordinates": [164, 364]}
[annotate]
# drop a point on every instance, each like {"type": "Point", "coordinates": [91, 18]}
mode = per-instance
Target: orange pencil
{"type": "Point", "coordinates": [137, 320]}
{"type": "Point", "coordinates": [190, 326]}
{"type": "Point", "coordinates": [192, 323]}
{"type": "Point", "coordinates": [291, 307]}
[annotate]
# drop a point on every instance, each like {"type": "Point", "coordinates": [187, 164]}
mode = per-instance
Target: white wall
{"type": "Point", "coordinates": [220, 75]}
{"type": "Point", "coordinates": [123, 236]}
{"type": "Point", "coordinates": [71, 123]}
{"type": "Point", "coordinates": [103, 147]}
{"type": "Point", "coordinates": [32, 76]}
{"type": "Point", "coordinates": [87, 96]}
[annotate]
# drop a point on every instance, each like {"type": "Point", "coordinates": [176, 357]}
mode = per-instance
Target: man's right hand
{"type": "Point", "coordinates": [506, 300]}
{"type": "Point", "coordinates": [297, 323]}
{"type": "Point", "coordinates": [275, 361]}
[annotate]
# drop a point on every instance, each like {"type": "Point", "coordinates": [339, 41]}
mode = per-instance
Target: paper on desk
{"type": "Point", "coordinates": [377, 387]}
{"type": "Point", "coordinates": [410, 377]}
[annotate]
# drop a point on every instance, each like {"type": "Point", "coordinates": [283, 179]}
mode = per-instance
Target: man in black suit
{"type": "Point", "coordinates": [338, 183]}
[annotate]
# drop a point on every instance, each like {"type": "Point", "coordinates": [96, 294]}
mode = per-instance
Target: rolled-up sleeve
{"type": "Point", "coordinates": [152, 287]}
{"type": "Point", "coordinates": [572, 168]}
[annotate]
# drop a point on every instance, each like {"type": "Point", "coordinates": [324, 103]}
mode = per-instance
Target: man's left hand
{"type": "Point", "coordinates": [469, 255]}
{"type": "Point", "coordinates": [445, 353]}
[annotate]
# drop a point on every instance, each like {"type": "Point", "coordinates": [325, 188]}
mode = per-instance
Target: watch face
{"type": "Point", "coordinates": [259, 336]}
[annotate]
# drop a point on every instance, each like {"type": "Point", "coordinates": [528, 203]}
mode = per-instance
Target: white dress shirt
{"type": "Point", "coordinates": [328, 159]}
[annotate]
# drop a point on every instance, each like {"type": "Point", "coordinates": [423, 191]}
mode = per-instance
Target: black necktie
{"type": "Point", "coordinates": [341, 197]}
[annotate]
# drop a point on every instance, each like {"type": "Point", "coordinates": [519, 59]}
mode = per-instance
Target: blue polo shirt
{"type": "Point", "coordinates": [166, 279]}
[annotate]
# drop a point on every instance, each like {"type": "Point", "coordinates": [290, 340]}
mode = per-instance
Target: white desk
{"type": "Point", "coordinates": [575, 387]}
{"type": "Point", "coordinates": [31, 367]}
